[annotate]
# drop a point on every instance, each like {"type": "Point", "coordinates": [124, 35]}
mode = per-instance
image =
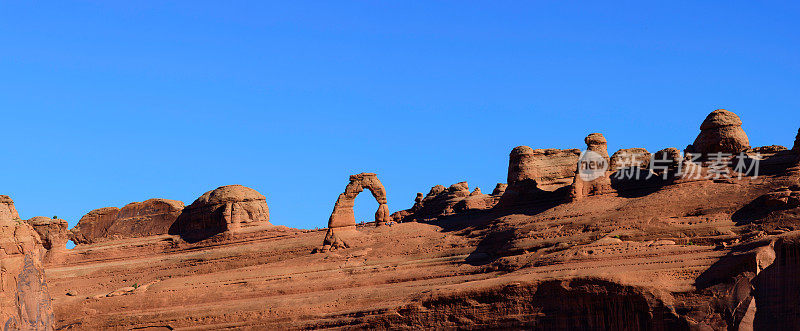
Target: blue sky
{"type": "Point", "coordinates": [109, 102]}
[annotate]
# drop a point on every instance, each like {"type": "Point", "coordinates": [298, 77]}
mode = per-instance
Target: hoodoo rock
{"type": "Point", "coordinates": [136, 219]}
{"type": "Point", "coordinates": [592, 175]}
{"type": "Point", "coordinates": [721, 132]}
{"type": "Point", "coordinates": [226, 209]}
{"type": "Point", "coordinates": [343, 216]}
{"type": "Point", "coordinates": [52, 232]}
{"type": "Point", "coordinates": [24, 298]}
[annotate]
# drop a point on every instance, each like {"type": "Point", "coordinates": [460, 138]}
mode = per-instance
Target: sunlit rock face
{"type": "Point", "coordinates": [24, 298]}
{"type": "Point", "coordinates": [343, 216]}
{"type": "Point", "coordinates": [721, 132]}
{"type": "Point", "coordinates": [136, 219]}
{"type": "Point", "coordinates": [225, 209]}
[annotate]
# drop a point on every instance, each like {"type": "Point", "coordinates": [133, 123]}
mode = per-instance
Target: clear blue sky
{"type": "Point", "coordinates": [108, 102]}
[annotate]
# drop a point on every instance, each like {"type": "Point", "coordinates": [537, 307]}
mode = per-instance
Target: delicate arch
{"type": "Point", "coordinates": [343, 215]}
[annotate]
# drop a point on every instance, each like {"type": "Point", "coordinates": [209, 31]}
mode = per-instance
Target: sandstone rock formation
{"type": "Point", "coordinates": [721, 132]}
{"type": "Point", "coordinates": [667, 162]}
{"type": "Point", "coordinates": [534, 173]}
{"type": "Point", "coordinates": [550, 169]}
{"type": "Point", "coordinates": [441, 202]}
{"type": "Point", "coordinates": [342, 215]}
{"type": "Point", "coordinates": [499, 189]}
{"type": "Point", "coordinates": [136, 219]}
{"type": "Point", "coordinates": [783, 198]}
{"type": "Point", "coordinates": [691, 255]}
{"type": "Point", "coordinates": [342, 222]}
{"type": "Point", "coordinates": [797, 142]}
{"type": "Point", "coordinates": [630, 157]}
{"type": "Point", "coordinates": [475, 201]}
{"type": "Point", "coordinates": [226, 209]}
{"type": "Point", "coordinates": [771, 149]}
{"type": "Point", "coordinates": [24, 297]}
{"type": "Point", "coordinates": [52, 232]}
{"type": "Point", "coordinates": [584, 185]}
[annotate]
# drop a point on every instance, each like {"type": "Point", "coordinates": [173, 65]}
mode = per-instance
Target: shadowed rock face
{"type": "Point", "coordinates": [441, 201]}
{"type": "Point", "coordinates": [225, 209]}
{"type": "Point", "coordinates": [24, 298]}
{"type": "Point", "coordinates": [721, 132]}
{"type": "Point", "coordinates": [797, 142]}
{"type": "Point", "coordinates": [136, 219]}
{"type": "Point", "coordinates": [343, 216]}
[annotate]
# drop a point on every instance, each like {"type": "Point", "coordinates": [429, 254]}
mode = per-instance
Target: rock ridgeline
{"type": "Point", "coordinates": [24, 298]}
{"type": "Point", "coordinates": [441, 201]}
{"type": "Point", "coordinates": [136, 219]}
{"type": "Point", "coordinates": [536, 175]}
{"type": "Point", "coordinates": [226, 209]}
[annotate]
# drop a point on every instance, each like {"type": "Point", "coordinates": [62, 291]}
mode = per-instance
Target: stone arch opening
{"type": "Point", "coordinates": [343, 215]}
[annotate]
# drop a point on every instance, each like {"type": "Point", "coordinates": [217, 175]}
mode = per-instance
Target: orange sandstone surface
{"type": "Point", "coordinates": [660, 252]}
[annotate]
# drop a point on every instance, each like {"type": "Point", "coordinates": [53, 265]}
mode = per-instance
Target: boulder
{"type": "Point", "coordinates": [137, 219]}
{"type": "Point", "coordinates": [226, 209]}
{"type": "Point", "coordinates": [24, 299]}
{"type": "Point", "coordinates": [721, 132]}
